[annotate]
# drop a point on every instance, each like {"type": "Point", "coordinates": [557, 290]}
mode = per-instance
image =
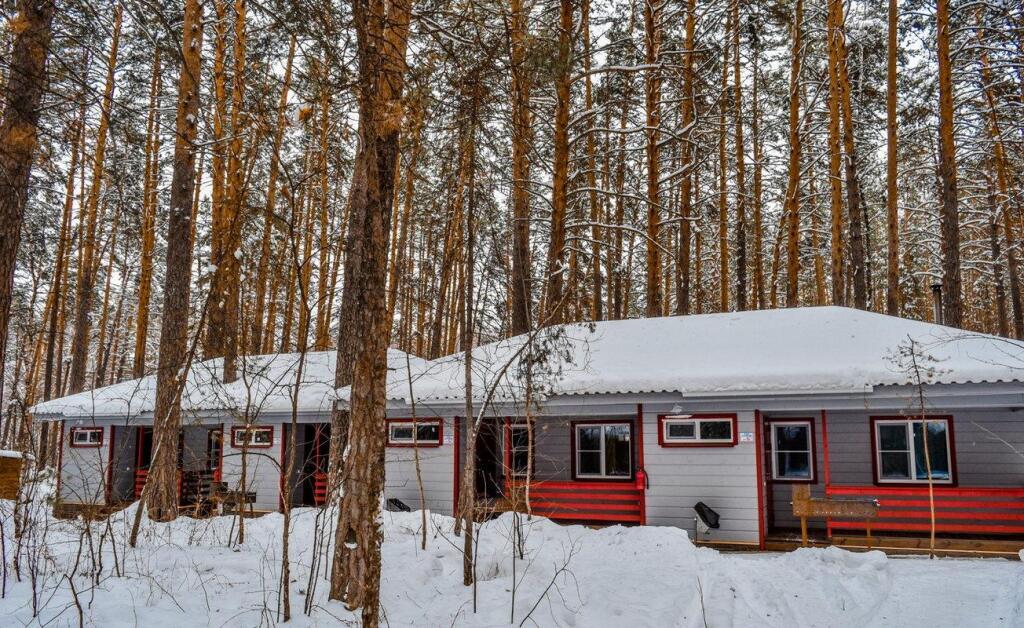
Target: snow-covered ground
{"type": "Point", "coordinates": [185, 574]}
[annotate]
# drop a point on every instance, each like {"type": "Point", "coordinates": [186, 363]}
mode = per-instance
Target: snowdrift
{"type": "Point", "coordinates": [185, 573]}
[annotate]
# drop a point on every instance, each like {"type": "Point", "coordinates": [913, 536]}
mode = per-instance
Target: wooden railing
{"type": "Point", "coordinates": [983, 511]}
{"type": "Point", "coordinates": [613, 502]}
{"type": "Point", "coordinates": [319, 488]}
{"type": "Point", "coordinates": [140, 482]}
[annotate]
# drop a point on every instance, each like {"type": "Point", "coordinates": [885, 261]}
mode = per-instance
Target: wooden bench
{"type": "Point", "coordinates": [806, 507]}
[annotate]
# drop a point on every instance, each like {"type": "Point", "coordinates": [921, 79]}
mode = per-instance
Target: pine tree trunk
{"type": "Point", "coordinates": [105, 308]}
{"type": "Point", "coordinates": [1003, 326]}
{"type": "Point", "coordinates": [853, 197]}
{"type": "Point", "coordinates": [949, 215]}
{"type": "Point", "coordinates": [596, 282]}
{"type": "Point", "coordinates": [723, 198]}
{"type": "Point", "coordinates": [741, 170]}
{"type": "Point", "coordinates": [58, 290]}
{"type": "Point", "coordinates": [652, 96]}
{"type": "Point", "coordinates": [398, 257]}
{"type": "Point", "coordinates": [759, 291]}
{"type": "Point", "coordinates": [892, 294]}
{"type": "Point", "coordinates": [228, 273]}
{"type": "Point", "coordinates": [554, 300]}
{"type": "Point", "coordinates": [324, 285]}
{"type": "Point", "coordinates": [619, 306]}
{"type": "Point", "coordinates": [150, 177]}
{"type": "Point", "coordinates": [172, 367]}
{"type": "Point", "coordinates": [1004, 201]}
{"type": "Point", "coordinates": [834, 163]}
{"type": "Point", "coordinates": [687, 119]}
{"type": "Point", "coordinates": [88, 268]}
{"type": "Point", "coordinates": [256, 341]}
{"type": "Point", "coordinates": [382, 32]}
{"type": "Point", "coordinates": [791, 211]}
{"type": "Point", "coordinates": [214, 342]}
{"type": "Point", "coordinates": [522, 134]}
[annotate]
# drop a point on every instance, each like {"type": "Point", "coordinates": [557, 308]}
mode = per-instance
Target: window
{"type": "Point", "coordinates": [603, 450]}
{"type": "Point", "coordinates": [900, 450]}
{"type": "Point", "coordinates": [86, 436]}
{"type": "Point", "coordinates": [414, 434]}
{"type": "Point", "coordinates": [214, 448]}
{"type": "Point", "coordinates": [697, 430]}
{"type": "Point", "coordinates": [262, 437]}
{"type": "Point", "coordinates": [792, 451]}
{"type": "Point", "coordinates": [519, 446]}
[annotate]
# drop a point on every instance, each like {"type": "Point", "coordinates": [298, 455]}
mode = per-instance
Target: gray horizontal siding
{"type": "Point", "coordinates": [263, 474]}
{"type": "Point", "coordinates": [724, 478]}
{"type": "Point", "coordinates": [83, 472]}
{"type": "Point", "coordinates": [437, 469]}
{"type": "Point", "coordinates": [982, 458]}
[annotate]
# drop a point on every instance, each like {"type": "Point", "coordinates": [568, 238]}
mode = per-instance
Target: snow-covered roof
{"type": "Point", "coordinates": [265, 384]}
{"type": "Point", "coordinates": [800, 350]}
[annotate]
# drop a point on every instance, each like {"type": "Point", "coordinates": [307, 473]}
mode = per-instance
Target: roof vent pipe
{"type": "Point", "coordinates": [937, 302]}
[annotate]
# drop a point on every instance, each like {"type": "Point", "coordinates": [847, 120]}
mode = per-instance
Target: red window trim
{"type": "Point", "coordinates": [235, 429]}
{"type": "Point", "coordinates": [722, 416]}
{"type": "Point", "coordinates": [771, 449]}
{"type": "Point", "coordinates": [421, 445]}
{"type": "Point", "coordinates": [632, 451]}
{"type": "Point", "coordinates": [948, 418]}
{"type": "Point", "coordinates": [74, 430]}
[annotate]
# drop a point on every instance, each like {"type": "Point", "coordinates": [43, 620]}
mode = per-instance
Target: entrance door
{"type": "Point", "coordinates": [790, 450]}
{"type": "Point", "coordinates": [143, 458]}
{"type": "Point", "coordinates": [490, 475]}
{"type": "Point", "coordinates": [315, 446]}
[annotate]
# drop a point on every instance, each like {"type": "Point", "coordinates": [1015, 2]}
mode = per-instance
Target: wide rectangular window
{"type": "Point", "coordinates": [900, 450]}
{"type": "Point", "coordinates": [519, 449]}
{"type": "Point", "coordinates": [792, 445]}
{"type": "Point", "coordinates": [426, 433]}
{"type": "Point", "coordinates": [252, 436]}
{"type": "Point", "coordinates": [696, 430]}
{"type": "Point", "coordinates": [603, 450]}
{"type": "Point", "coordinates": [86, 436]}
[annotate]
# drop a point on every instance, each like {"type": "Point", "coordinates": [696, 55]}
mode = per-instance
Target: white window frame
{"type": "Point", "coordinates": [696, 421]}
{"type": "Point", "coordinates": [604, 471]}
{"type": "Point", "coordinates": [512, 448]}
{"type": "Point", "coordinates": [912, 451]}
{"type": "Point", "coordinates": [810, 450]}
{"type": "Point", "coordinates": [242, 436]}
{"type": "Point", "coordinates": [96, 432]}
{"type": "Point", "coordinates": [414, 441]}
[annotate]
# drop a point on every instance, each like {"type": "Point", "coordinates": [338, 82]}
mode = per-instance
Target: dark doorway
{"type": "Point", "coordinates": [312, 450]}
{"type": "Point", "coordinates": [144, 456]}
{"type": "Point", "coordinates": [490, 468]}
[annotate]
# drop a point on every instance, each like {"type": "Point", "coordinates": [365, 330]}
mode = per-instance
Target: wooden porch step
{"type": "Point", "coordinates": [905, 545]}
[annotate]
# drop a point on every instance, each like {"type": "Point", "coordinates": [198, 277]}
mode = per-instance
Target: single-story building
{"type": "Point", "coordinates": [638, 421]}
{"type": "Point", "coordinates": [107, 433]}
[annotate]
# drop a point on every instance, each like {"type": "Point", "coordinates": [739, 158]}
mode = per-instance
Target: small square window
{"type": "Point", "coordinates": [792, 445]}
{"type": "Point", "coordinates": [604, 450]}
{"type": "Point", "coordinates": [681, 430]}
{"type": "Point", "coordinates": [697, 430]}
{"type": "Point", "coordinates": [86, 436]}
{"type": "Point", "coordinates": [426, 433]}
{"type": "Point", "coordinates": [261, 437]}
